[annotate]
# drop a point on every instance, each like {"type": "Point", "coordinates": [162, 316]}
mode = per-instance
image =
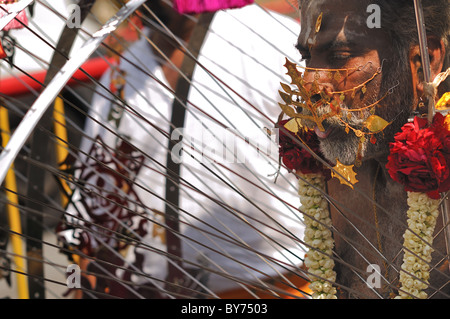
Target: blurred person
{"type": "Point", "coordinates": [238, 228]}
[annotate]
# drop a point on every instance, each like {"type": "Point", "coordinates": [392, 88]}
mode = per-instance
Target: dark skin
{"type": "Point", "coordinates": [181, 26]}
{"type": "Point", "coordinates": [343, 42]}
{"type": "Point", "coordinates": [362, 229]}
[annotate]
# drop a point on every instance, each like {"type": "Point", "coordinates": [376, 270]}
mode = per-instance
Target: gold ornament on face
{"type": "Point", "coordinates": [319, 22]}
{"type": "Point", "coordinates": [308, 103]}
{"type": "Point", "coordinates": [298, 102]}
{"type": "Point", "coordinates": [337, 98]}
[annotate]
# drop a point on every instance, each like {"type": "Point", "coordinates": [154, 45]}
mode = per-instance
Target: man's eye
{"type": "Point", "coordinates": [340, 56]}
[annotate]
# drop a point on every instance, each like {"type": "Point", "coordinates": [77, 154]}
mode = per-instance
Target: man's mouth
{"type": "Point", "coordinates": [323, 134]}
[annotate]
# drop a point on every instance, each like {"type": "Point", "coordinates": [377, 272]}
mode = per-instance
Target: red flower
{"type": "Point", "coordinates": [298, 158]}
{"type": "Point", "coordinates": [441, 126]}
{"type": "Point", "coordinates": [420, 157]}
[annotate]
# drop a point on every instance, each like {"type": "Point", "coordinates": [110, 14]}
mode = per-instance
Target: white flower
{"type": "Point", "coordinates": [422, 215]}
{"type": "Point", "coordinates": [318, 236]}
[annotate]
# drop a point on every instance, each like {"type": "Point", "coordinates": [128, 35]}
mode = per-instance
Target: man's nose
{"type": "Point", "coordinates": [317, 83]}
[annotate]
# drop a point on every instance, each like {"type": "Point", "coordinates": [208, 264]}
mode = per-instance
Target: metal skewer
{"type": "Point", "coordinates": [424, 53]}
{"type": "Point", "coordinates": [431, 106]}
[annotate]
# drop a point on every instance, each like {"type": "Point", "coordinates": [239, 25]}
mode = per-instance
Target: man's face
{"type": "Point", "coordinates": [362, 56]}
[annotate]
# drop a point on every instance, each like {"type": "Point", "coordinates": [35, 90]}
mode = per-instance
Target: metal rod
{"type": "Point", "coordinates": [446, 223]}
{"type": "Point", "coordinates": [424, 53]}
{"type": "Point", "coordinates": [39, 107]}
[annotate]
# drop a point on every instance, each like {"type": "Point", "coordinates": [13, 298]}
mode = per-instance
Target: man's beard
{"type": "Point", "coordinates": [395, 108]}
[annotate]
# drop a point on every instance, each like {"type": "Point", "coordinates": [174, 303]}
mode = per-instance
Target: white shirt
{"type": "Point", "coordinates": [246, 49]}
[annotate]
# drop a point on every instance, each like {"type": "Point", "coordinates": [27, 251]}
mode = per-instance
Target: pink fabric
{"type": "Point", "coordinates": [199, 6]}
{"type": "Point", "coordinates": [2, 52]}
{"type": "Point", "coordinates": [14, 24]}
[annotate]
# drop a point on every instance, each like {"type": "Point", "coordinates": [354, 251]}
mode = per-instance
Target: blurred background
{"type": "Point", "coordinates": [22, 75]}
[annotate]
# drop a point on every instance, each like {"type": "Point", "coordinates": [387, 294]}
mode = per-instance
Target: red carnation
{"type": "Point", "coordinates": [294, 156]}
{"type": "Point", "coordinates": [420, 157]}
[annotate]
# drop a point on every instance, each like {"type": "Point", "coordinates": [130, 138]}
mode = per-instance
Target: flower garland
{"type": "Point", "coordinates": [317, 236]}
{"type": "Point", "coordinates": [422, 215]}
{"type": "Point", "coordinates": [420, 160]}
{"type": "Point", "coordinates": [312, 176]}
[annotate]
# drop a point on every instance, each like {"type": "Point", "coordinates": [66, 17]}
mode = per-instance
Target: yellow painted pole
{"type": "Point", "coordinates": [61, 143]}
{"type": "Point", "coordinates": [61, 150]}
{"type": "Point", "coordinates": [13, 213]}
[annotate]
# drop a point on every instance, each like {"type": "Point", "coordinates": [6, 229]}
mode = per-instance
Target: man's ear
{"type": "Point", "coordinates": [436, 51]}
